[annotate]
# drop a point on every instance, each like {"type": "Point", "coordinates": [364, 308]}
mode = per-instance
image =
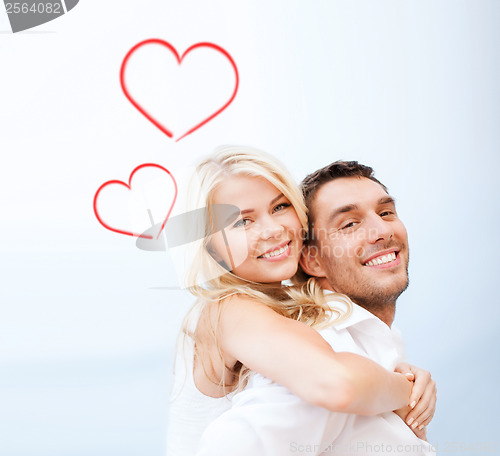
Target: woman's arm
{"type": "Point", "coordinates": [297, 357]}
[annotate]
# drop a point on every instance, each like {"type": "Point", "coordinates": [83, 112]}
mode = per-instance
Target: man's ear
{"type": "Point", "coordinates": [310, 261]}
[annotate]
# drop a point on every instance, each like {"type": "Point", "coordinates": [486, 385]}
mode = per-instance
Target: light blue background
{"type": "Point", "coordinates": [88, 322]}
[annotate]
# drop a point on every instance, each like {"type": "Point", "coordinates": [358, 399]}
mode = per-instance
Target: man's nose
{"type": "Point", "coordinates": [378, 229]}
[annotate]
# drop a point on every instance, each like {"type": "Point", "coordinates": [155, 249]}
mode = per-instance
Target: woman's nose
{"type": "Point", "coordinates": [270, 228]}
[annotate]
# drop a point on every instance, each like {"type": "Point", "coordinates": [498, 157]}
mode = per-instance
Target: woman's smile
{"type": "Point", "coordinates": [277, 253]}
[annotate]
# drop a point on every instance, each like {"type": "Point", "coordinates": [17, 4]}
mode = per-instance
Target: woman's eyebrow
{"type": "Point", "coordinates": [274, 200]}
{"type": "Point", "coordinates": [246, 211]}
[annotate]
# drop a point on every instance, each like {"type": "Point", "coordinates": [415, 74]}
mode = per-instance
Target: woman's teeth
{"type": "Point", "coordinates": [276, 252]}
{"type": "Point", "coordinates": [382, 259]}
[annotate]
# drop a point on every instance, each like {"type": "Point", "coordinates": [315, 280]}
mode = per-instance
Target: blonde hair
{"type": "Point", "coordinates": [211, 282]}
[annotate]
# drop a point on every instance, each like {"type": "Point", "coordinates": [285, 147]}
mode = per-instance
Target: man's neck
{"type": "Point", "coordinates": [385, 311]}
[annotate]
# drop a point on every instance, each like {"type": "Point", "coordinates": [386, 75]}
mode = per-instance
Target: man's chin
{"type": "Point", "coordinates": [393, 280]}
{"type": "Point", "coordinates": [389, 290]}
{"type": "Point", "coordinates": [395, 290]}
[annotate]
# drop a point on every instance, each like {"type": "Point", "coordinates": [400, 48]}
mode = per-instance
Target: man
{"type": "Point", "coordinates": [357, 246]}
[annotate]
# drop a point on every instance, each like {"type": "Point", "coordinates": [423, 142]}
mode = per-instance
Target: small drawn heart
{"type": "Point", "coordinates": [179, 58]}
{"type": "Point", "coordinates": [129, 187]}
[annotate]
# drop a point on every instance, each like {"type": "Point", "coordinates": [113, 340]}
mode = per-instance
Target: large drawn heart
{"type": "Point", "coordinates": [165, 129]}
{"type": "Point", "coordinates": [129, 187]}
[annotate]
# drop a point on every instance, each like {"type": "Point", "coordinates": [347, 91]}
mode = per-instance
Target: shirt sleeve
{"type": "Point", "coordinates": [271, 421]}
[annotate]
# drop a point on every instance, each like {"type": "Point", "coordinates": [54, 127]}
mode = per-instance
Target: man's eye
{"type": "Point", "coordinates": [281, 206]}
{"type": "Point", "coordinates": [386, 213]}
{"type": "Point", "coordinates": [241, 222]}
{"type": "Point", "coordinates": [348, 225]}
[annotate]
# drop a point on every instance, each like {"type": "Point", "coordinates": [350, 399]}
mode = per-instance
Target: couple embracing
{"type": "Point", "coordinates": [289, 348]}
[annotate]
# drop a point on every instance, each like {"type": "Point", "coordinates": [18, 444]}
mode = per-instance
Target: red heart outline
{"type": "Point", "coordinates": [129, 185]}
{"type": "Point", "coordinates": [179, 61]}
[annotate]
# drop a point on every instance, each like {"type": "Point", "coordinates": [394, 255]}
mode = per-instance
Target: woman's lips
{"type": "Point", "coordinates": [276, 253]}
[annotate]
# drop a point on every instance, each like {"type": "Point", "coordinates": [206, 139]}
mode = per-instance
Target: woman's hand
{"type": "Point", "coordinates": [422, 399]}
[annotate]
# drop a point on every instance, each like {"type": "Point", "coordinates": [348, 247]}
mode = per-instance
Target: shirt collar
{"type": "Point", "coordinates": [358, 314]}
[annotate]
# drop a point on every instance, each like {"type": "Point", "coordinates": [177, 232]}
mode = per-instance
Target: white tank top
{"type": "Point", "coordinates": [190, 410]}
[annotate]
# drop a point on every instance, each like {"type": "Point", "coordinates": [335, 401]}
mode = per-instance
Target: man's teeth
{"type": "Point", "coordinates": [275, 252]}
{"type": "Point", "coordinates": [382, 259]}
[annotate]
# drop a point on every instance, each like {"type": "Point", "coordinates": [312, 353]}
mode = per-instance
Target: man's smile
{"type": "Point", "coordinates": [384, 259]}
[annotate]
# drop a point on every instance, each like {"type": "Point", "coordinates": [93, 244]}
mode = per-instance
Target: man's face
{"type": "Point", "coordinates": [360, 246]}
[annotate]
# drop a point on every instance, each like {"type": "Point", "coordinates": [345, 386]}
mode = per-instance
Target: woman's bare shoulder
{"type": "Point", "coordinates": [221, 318]}
{"type": "Point", "coordinates": [227, 310]}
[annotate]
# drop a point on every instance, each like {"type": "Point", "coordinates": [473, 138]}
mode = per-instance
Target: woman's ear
{"type": "Point", "coordinates": [310, 261]}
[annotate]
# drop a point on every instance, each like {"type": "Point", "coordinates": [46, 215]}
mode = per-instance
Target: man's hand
{"type": "Point", "coordinates": [423, 398]}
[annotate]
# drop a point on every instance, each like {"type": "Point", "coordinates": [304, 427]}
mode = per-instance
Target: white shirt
{"type": "Point", "coordinates": [266, 419]}
{"type": "Point", "coordinates": [190, 410]}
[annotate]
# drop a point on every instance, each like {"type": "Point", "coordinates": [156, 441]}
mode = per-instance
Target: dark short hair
{"type": "Point", "coordinates": [314, 181]}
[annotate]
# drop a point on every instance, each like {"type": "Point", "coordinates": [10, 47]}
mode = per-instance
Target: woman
{"type": "Point", "coordinates": [246, 321]}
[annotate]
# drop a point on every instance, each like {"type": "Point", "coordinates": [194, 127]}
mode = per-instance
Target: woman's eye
{"type": "Point", "coordinates": [241, 222]}
{"type": "Point", "coordinates": [281, 206]}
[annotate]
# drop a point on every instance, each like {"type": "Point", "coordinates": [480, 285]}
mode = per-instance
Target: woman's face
{"type": "Point", "coordinates": [263, 242]}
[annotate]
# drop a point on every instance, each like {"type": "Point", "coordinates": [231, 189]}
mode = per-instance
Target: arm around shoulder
{"type": "Point", "coordinates": [295, 355]}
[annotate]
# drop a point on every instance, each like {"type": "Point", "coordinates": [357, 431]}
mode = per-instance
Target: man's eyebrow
{"type": "Point", "coordinates": [353, 207]}
{"type": "Point", "coordinates": [342, 210]}
{"type": "Point", "coordinates": [387, 200]}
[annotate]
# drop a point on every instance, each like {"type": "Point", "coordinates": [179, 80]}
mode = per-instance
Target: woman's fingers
{"type": "Point", "coordinates": [422, 399]}
{"type": "Point", "coordinates": [425, 407]}
{"type": "Point", "coordinates": [422, 380]}
{"type": "Point", "coordinates": [425, 422]}
{"type": "Point", "coordinates": [425, 419]}
{"type": "Point", "coordinates": [405, 368]}
{"type": "Point", "coordinates": [421, 433]}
